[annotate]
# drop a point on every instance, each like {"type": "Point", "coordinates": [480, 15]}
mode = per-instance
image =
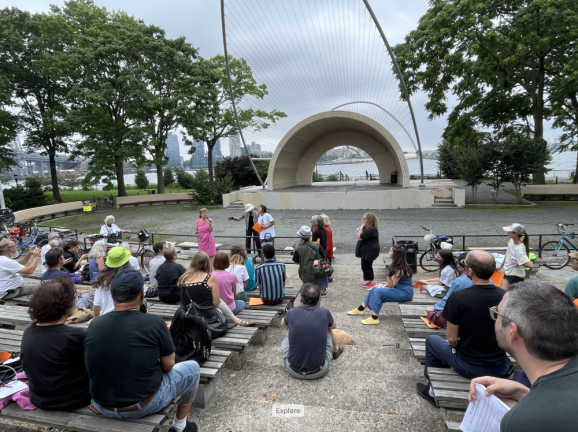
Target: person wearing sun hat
{"type": "Point", "coordinates": [250, 215]}
{"type": "Point", "coordinates": [117, 260]}
{"type": "Point", "coordinates": [516, 259]}
{"type": "Point", "coordinates": [571, 288]}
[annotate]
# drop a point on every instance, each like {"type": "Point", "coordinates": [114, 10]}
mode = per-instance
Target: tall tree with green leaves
{"type": "Point", "coordinates": [495, 56]}
{"type": "Point", "coordinates": [180, 88]}
{"type": "Point", "coordinates": [9, 125]}
{"type": "Point", "coordinates": [220, 118]}
{"type": "Point", "coordinates": [33, 57]}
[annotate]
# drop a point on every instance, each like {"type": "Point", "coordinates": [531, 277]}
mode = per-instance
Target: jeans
{"type": "Point", "coordinates": [313, 376]}
{"type": "Point", "coordinates": [20, 291]}
{"type": "Point", "coordinates": [85, 301]}
{"type": "Point", "coordinates": [254, 236]}
{"type": "Point", "coordinates": [182, 380]}
{"type": "Point", "coordinates": [367, 269]}
{"type": "Point", "coordinates": [378, 296]}
{"type": "Point", "coordinates": [439, 352]}
{"type": "Point", "coordinates": [240, 306]}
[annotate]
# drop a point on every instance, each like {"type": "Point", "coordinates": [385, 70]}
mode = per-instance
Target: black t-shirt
{"type": "Point", "coordinates": [550, 405]}
{"type": "Point", "coordinates": [122, 352]}
{"type": "Point", "coordinates": [320, 234]}
{"type": "Point", "coordinates": [251, 221]}
{"type": "Point", "coordinates": [470, 309]}
{"type": "Point", "coordinates": [307, 336]}
{"type": "Point", "coordinates": [53, 359]}
{"type": "Point", "coordinates": [69, 266]}
{"type": "Point", "coordinates": [168, 274]}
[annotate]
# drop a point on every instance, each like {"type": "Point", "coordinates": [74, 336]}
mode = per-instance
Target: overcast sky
{"type": "Point", "coordinates": [199, 21]}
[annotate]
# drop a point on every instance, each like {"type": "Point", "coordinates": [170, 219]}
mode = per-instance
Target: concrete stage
{"type": "Point", "coordinates": [353, 196]}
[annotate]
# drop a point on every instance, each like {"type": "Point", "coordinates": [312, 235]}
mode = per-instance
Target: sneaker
{"type": "Point", "coordinates": [423, 391]}
{"type": "Point", "coordinates": [190, 427]}
{"type": "Point", "coordinates": [370, 286]}
{"type": "Point", "coordinates": [363, 285]}
{"type": "Point", "coordinates": [370, 321]}
{"type": "Point", "coordinates": [339, 351]}
{"type": "Point", "coordinates": [329, 279]}
{"type": "Point", "coordinates": [355, 312]}
{"type": "Point", "coordinates": [324, 295]}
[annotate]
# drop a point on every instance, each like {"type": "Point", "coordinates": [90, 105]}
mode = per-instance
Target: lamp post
{"type": "Point", "coordinates": [16, 179]}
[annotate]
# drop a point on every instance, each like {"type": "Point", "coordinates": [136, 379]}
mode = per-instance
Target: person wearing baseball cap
{"type": "Point", "coordinates": [250, 216]}
{"type": "Point", "coordinates": [516, 259]}
{"type": "Point", "coordinates": [130, 360]}
{"type": "Point", "coordinates": [571, 288]}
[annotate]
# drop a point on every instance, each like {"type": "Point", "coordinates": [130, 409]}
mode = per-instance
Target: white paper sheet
{"type": "Point", "coordinates": [434, 290]}
{"type": "Point", "coordinates": [11, 387]}
{"type": "Point", "coordinates": [484, 414]}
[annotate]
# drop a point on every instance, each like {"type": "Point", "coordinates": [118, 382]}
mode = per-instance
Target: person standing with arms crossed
{"type": "Point", "coordinates": [204, 231]}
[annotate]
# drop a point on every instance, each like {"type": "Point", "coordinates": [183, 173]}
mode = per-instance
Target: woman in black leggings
{"type": "Point", "coordinates": [368, 248]}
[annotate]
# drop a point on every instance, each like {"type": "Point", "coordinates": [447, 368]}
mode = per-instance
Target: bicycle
{"type": "Point", "coordinates": [18, 232]}
{"type": "Point", "coordinates": [427, 258]}
{"type": "Point", "coordinates": [555, 253]}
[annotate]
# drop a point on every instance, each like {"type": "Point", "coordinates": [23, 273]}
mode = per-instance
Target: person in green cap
{"type": "Point", "coordinates": [117, 259]}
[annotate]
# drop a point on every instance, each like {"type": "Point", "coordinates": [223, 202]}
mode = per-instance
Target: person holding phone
{"type": "Point", "coordinates": [72, 262]}
{"type": "Point", "coordinates": [11, 271]}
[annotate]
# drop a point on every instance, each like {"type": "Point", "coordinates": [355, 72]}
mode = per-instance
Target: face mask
{"type": "Point", "coordinates": [440, 261]}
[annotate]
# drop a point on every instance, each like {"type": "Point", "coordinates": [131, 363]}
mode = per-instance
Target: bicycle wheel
{"type": "Point", "coordinates": [427, 260]}
{"type": "Point", "coordinates": [146, 257]}
{"type": "Point", "coordinates": [18, 251]}
{"type": "Point", "coordinates": [554, 254]}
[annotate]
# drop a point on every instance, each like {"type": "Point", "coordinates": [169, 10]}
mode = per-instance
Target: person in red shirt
{"type": "Point", "coordinates": [329, 242]}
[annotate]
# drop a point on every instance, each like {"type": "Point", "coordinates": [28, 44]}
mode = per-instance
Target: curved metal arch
{"type": "Point", "coordinates": [399, 75]}
{"type": "Point", "coordinates": [387, 112]}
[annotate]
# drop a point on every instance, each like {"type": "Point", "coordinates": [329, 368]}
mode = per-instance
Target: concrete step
{"type": "Point", "coordinates": [443, 200]}
{"type": "Point", "coordinates": [236, 205]}
{"type": "Point", "coordinates": [444, 206]}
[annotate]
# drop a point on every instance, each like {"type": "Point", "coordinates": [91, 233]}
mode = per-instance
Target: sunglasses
{"type": "Point", "coordinates": [494, 314]}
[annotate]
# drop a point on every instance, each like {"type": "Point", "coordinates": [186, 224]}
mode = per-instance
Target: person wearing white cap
{"type": "Point", "coordinates": [516, 259]}
{"type": "Point", "coordinates": [251, 216]}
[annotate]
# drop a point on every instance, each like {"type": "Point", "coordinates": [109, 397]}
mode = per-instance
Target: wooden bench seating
{"type": "Point", "coordinates": [422, 299]}
{"type": "Point", "coordinates": [412, 310]}
{"type": "Point", "coordinates": [416, 328]}
{"type": "Point", "coordinates": [453, 426]}
{"type": "Point", "coordinates": [450, 389]}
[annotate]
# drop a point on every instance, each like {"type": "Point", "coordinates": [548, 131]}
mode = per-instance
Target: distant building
{"type": "Point", "coordinates": [200, 158]}
{"type": "Point", "coordinates": [235, 146]}
{"type": "Point", "coordinates": [172, 151]}
{"type": "Point", "coordinates": [254, 149]}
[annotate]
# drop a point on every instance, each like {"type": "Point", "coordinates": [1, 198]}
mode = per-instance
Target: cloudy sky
{"type": "Point", "coordinates": [253, 33]}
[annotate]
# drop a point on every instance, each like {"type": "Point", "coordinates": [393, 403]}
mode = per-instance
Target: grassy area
{"type": "Point", "coordinates": [512, 192]}
{"type": "Point", "coordinates": [80, 195]}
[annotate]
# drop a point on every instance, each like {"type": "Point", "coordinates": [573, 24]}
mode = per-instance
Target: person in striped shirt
{"type": "Point", "coordinates": [270, 277]}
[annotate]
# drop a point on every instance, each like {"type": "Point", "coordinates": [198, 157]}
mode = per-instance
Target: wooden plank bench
{"type": "Point", "coordinates": [10, 340]}
{"type": "Point", "coordinates": [416, 328]}
{"type": "Point", "coordinates": [453, 426]}
{"type": "Point", "coordinates": [412, 310]}
{"type": "Point", "coordinates": [422, 299]}
{"type": "Point", "coordinates": [450, 389]}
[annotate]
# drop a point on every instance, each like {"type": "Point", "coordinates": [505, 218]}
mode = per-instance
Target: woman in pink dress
{"type": "Point", "coordinates": [204, 231]}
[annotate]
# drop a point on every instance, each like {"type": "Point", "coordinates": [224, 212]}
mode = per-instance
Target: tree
{"type": "Point", "coordinates": [241, 171]}
{"type": "Point", "coordinates": [220, 121]}
{"type": "Point", "coordinates": [168, 177]}
{"type": "Point", "coordinates": [495, 56]}
{"type": "Point", "coordinates": [141, 179]}
{"type": "Point", "coordinates": [184, 179]}
{"type": "Point", "coordinates": [9, 124]}
{"type": "Point", "coordinates": [29, 196]}
{"type": "Point", "coordinates": [180, 91]}
{"type": "Point", "coordinates": [69, 180]}
{"type": "Point", "coordinates": [34, 59]}
{"type": "Point", "coordinates": [447, 163]}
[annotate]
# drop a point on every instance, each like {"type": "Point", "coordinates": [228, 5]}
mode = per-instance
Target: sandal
{"type": "Point", "coordinates": [244, 323]}
{"type": "Point", "coordinates": [340, 349]}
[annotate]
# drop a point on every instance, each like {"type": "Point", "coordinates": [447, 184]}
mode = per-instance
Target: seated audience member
{"type": "Point", "coordinates": [154, 264]}
{"type": "Point", "coordinates": [11, 271]}
{"type": "Point", "coordinates": [471, 348]}
{"type": "Point", "coordinates": [116, 261]}
{"type": "Point", "coordinates": [132, 260]}
{"type": "Point", "coordinates": [52, 237]}
{"type": "Point", "coordinates": [310, 343]}
{"type": "Point", "coordinates": [168, 275]}
{"type": "Point", "coordinates": [199, 285]}
{"type": "Point", "coordinates": [54, 261]}
{"type": "Point", "coordinates": [96, 258]}
{"type": "Point", "coordinates": [399, 287]}
{"type": "Point", "coordinates": [448, 273]}
{"type": "Point", "coordinates": [141, 377]}
{"type": "Point", "coordinates": [434, 313]}
{"type": "Point", "coordinates": [52, 353]}
{"type": "Point", "coordinates": [538, 325]}
{"type": "Point", "coordinates": [237, 267]}
{"type": "Point", "coordinates": [227, 283]}
{"type": "Point", "coordinates": [239, 250]}
{"type": "Point", "coordinates": [71, 261]}
{"type": "Point", "coordinates": [571, 289]}
{"type": "Point", "coordinates": [271, 277]}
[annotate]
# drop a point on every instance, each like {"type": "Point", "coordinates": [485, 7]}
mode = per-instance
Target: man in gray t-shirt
{"type": "Point", "coordinates": [538, 325]}
{"type": "Point", "coordinates": [155, 263]}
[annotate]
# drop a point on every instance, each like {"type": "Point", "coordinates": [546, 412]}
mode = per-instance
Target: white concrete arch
{"type": "Point", "coordinates": [295, 157]}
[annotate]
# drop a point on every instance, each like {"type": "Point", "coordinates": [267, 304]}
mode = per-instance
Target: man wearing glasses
{"type": "Point", "coordinates": [11, 270]}
{"type": "Point", "coordinates": [471, 348]}
{"type": "Point", "coordinates": [538, 325]}
{"type": "Point", "coordinates": [571, 289]}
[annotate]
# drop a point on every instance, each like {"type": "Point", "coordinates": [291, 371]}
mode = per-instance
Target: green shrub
{"type": "Point", "coordinates": [184, 179]}
{"type": "Point", "coordinates": [241, 171]}
{"type": "Point", "coordinates": [141, 179]}
{"type": "Point", "coordinates": [333, 177]}
{"type": "Point", "coordinates": [317, 177]}
{"type": "Point", "coordinates": [109, 186]}
{"type": "Point", "coordinates": [222, 186]}
{"type": "Point", "coordinates": [168, 176]}
{"type": "Point", "coordinates": [23, 197]}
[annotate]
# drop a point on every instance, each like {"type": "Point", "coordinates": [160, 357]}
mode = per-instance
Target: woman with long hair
{"type": "Point", "coordinates": [368, 248]}
{"type": "Point", "coordinates": [238, 250]}
{"type": "Point", "coordinates": [516, 259]}
{"type": "Point", "coordinates": [117, 259]}
{"type": "Point", "coordinates": [204, 231]}
{"type": "Point", "coordinates": [96, 259]}
{"type": "Point", "coordinates": [237, 267]}
{"type": "Point", "coordinates": [72, 261]}
{"type": "Point", "coordinates": [399, 287]}
{"type": "Point", "coordinates": [203, 287]}
{"type": "Point", "coordinates": [329, 242]}
{"type": "Point", "coordinates": [449, 272]}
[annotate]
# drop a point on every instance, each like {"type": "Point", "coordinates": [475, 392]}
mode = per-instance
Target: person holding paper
{"type": "Point", "coordinates": [267, 224]}
{"type": "Point", "coordinates": [538, 325]}
{"type": "Point", "coordinates": [471, 348]}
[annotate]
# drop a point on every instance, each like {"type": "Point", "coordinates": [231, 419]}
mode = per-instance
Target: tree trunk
{"type": "Point", "coordinates": [519, 189]}
{"type": "Point", "coordinates": [160, 181]}
{"type": "Point", "coordinates": [474, 193]}
{"type": "Point", "coordinates": [538, 114]}
{"type": "Point", "coordinates": [210, 146]}
{"type": "Point", "coordinates": [54, 177]}
{"type": "Point", "coordinates": [120, 176]}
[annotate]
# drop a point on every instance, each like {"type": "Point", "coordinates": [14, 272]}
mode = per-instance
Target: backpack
{"type": "Point", "coordinates": [191, 336]}
{"type": "Point", "coordinates": [85, 273]}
